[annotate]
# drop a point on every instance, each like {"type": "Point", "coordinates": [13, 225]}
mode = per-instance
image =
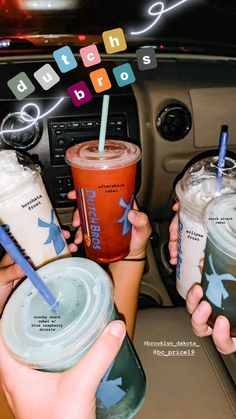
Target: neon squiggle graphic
{"type": "Point", "coordinates": [158, 13]}
{"type": "Point", "coordinates": [28, 118]}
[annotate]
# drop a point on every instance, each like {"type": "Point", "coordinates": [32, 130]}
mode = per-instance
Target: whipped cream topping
{"type": "Point", "coordinates": [12, 173]}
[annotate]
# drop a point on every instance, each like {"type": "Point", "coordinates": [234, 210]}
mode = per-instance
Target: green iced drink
{"type": "Point", "coordinates": [49, 341]}
{"type": "Point", "coordinates": [219, 273]}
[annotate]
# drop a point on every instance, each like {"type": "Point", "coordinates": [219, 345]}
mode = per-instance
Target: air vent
{"type": "Point", "coordinates": [18, 132]}
{"type": "Point", "coordinates": [174, 122]}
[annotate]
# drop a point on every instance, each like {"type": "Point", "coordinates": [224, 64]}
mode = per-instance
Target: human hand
{"type": "Point", "coordinates": [173, 236]}
{"type": "Point", "coordinates": [69, 394]}
{"type": "Point", "coordinates": [141, 231]}
{"type": "Point", "coordinates": [10, 274]}
{"type": "Point", "coordinates": [201, 311]}
{"type": "Point", "coordinates": [73, 247]}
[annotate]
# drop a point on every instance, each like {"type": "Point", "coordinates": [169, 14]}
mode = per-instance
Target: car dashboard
{"type": "Point", "coordinates": [174, 112]}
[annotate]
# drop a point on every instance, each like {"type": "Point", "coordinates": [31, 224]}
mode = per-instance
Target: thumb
{"type": "Point", "coordinates": [71, 195]}
{"type": "Point", "coordinates": [98, 359]}
{"type": "Point", "coordinates": [10, 273]}
{"type": "Point", "coordinates": [139, 221]}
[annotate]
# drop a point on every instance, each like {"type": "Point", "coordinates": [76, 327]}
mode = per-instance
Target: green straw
{"type": "Point", "coordinates": [103, 127]}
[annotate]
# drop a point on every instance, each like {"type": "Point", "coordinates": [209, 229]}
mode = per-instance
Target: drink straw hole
{"type": "Point", "coordinates": [229, 163]}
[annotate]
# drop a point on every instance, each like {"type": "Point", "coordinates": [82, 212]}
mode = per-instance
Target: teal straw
{"type": "Point", "coordinates": [33, 276]}
{"type": "Point", "coordinates": [103, 127]}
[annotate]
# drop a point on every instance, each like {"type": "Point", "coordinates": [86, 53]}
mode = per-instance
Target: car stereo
{"type": "Point", "coordinates": [66, 131]}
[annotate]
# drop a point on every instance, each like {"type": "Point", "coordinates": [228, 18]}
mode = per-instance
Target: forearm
{"type": "Point", "coordinates": [127, 277]}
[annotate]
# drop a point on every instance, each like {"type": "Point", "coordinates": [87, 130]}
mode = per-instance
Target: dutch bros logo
{"type": "Point", "coordinates": [114, 41]}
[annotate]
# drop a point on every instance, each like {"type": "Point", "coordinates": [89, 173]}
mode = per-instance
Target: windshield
{"type": "Point", "coordinates": [202, 24]}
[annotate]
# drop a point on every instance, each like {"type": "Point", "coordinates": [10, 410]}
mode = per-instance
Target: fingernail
{"type": "Point", "coordinates": [203, 309]}
{"type": "Point", "coordinates": [117, 328]}
{"type": "Point", "coordinates": [221, 322]}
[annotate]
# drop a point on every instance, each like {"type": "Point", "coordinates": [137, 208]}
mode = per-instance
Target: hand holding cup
{"type": "Point", "coordinates": [201, 310]}
{"type": "Point", "coordinates": [49, 394]}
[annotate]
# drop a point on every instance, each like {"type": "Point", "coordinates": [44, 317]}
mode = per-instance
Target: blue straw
{"type": "Point", "coordinates": [224, 136]}
{"type": "Point", "coordinates": [103, 127]}
{"type": "Point", "coordinates": [17, 256]}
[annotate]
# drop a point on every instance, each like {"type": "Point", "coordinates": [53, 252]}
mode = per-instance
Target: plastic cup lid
{"type": "Point", "coordinates": [116, 154]}
{"type": "Point", "coordinates": [85, 297]}
{"type": "Point", "coordinates": [220, 221]}
{"type": "Point", "coordinates": [198, 186]}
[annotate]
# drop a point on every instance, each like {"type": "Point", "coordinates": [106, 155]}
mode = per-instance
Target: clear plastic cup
{"type": "Point", "coordinates": [219, 273]}
{"type": "Point", "coordinates": [194, 191]}
{"type": "Point", "coordinates": [44, 340]}
{"type": "Point", "coordinates": [104, 184]}
{"type": "Point", "coordinates": [26, 210]}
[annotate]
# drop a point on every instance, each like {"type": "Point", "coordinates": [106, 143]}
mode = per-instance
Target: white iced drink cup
{"type": "Point", "coordinates": [38, 337]}
{"type": "Point", "coordinates": [26, 210]}
{"type": "Point", "coordinates": [194, 191]}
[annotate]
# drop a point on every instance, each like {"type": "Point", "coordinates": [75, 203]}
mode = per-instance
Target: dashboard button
{"type": "Point", "coordinates": [61, 143]}
{"type": "Point", "coordinates": [59, 156]}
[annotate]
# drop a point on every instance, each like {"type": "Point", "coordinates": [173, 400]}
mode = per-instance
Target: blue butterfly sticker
{"type": "Point", "coordinates": [54, 235]}
{"type": "Point", "coordinates": [109, 392]}
{"type": "Point", "coordinates": [124, 219]}
{"type": "Point", "coordinates": [216, 291]}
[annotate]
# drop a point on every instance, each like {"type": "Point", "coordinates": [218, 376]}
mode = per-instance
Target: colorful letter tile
{"type": "Point", "coordinates": [146, 58]}
{"type": "Point", "coordinates": [90, 55]}
{"type": "Point", "coordinates": [124, 74]}
{"type": "Point", "coordinates": [100, 80]}
{"type": "Point", "coordinates": [65, 59]}
{"type": "Point", "coordinates": [114, 40]}
{"type": "Point", "coordinates": [46, 76]}
{"type": "Point", "coordinates": [21, 86]}
{"type": "Point", "coordinates": [79, 93]}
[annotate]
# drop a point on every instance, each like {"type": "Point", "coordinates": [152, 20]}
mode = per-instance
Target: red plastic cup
{"type": "Point", "coordinates": [104, 184]}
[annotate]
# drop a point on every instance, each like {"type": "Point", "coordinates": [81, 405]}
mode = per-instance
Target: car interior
{"type": "Point", "coordinates": [174, 112]}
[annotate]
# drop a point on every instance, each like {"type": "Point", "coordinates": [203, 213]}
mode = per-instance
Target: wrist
{"type": "Point", "coordinates": [139, 254]}
{"type": "Point", "coordinates": [131, 257]}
